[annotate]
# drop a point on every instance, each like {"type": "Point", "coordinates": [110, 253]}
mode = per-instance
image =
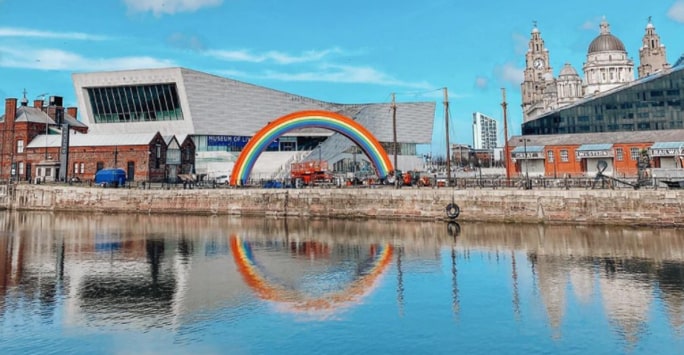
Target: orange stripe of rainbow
{"type": "Point", "coordinates": [301, 303]}
{"type": "Point", "coordinates": [306, 119]}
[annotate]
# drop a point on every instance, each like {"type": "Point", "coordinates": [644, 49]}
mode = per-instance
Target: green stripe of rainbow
{"type": "Point", "coordinates": [298, 302]}
{"type": "Point", "coordinates": [307, 119]}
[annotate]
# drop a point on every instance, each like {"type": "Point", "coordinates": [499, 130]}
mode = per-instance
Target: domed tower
{"type": "Point", "coordinates": [569, 86]}
{"type": "Point", "coordinates": [537, 66]}
{"type": "Point", "coordinates": [607, 65]}
{"type": "Point", "coordinates": [652, 57]}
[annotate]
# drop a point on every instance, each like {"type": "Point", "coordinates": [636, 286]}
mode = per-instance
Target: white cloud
{"type": "Point", "coordinates": [520, 43]}
{"type": "Point", "coordinates": [183, 41]}
{"type": "Point", "coordinates": [336, 74]}
{"type": "Point", "coordinates": [271, 56]}
{"type": "Point", "coordinates": [25, 32]}
{"type": "Point", "coordinates": [169, 7]}
{"type": "Point", "coordinates": [481, 82]}
{"type": "Point", "coordinates": [591, 24]}
{"type": "Point", "coordinates": [509, 73]}
{"type": "Point", "coordinates": [676, 12]}
{"type": "Point", "coordinates": [56, 59]}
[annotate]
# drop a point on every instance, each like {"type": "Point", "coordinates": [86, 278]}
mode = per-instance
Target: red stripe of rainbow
{"type": "Point", "coordinates": [306, 119]}
{"type": "Point", "coordinates": [351, 294]}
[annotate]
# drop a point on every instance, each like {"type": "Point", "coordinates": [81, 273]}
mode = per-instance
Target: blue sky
{"type": "Point", "coordinates": [353, 51]}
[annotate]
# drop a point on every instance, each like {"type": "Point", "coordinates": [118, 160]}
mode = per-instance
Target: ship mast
{"type": "Point", "coordinates": [394, 128]}
{"type": "Point", "coordinates": [504, 106]}
{"type": "Point", "coordinates": [446, 122]}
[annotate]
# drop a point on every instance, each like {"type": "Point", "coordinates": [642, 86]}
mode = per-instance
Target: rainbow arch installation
{"type": "Point", "coordinates": [298, 302]}
{"type": "Point", "coordinates": [310, 119]}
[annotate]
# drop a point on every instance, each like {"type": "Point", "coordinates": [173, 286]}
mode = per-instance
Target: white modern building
{"type": "Point", "coordinates": [485, 131]}
{"type": "Point", "coordinates": [222, 114]}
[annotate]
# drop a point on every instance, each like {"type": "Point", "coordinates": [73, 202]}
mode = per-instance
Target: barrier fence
{"type": "Point", "coordinates": [457, 183]}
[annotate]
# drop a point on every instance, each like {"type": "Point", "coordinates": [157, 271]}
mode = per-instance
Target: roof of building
{"type": "Point", "coordinates": [594, 147]}
{"type": "Point", "coordinates": [605, 41]}
{"type": "Point", "coordinates": [569, 139]}
{"type": "Point", "coordinates": [568, 70]}
{"type": "Point", "coordinates": [92, 140]}
{"type": "Point", "coordinates": [36, 115]}
{"type": "Point", "coordinates": [214, 105]}
{"type": "Point", "coordinates": [528, 149]}
{"type": "Point", "coordinates": [668, 145]}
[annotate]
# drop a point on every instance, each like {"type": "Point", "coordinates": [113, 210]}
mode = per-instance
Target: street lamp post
{"type": "Point", "coordinates": [555, 174]}
{"type": "Point", "coordinates": [354, 166]}
{"type": "Point", "coordinates": [527, 173]}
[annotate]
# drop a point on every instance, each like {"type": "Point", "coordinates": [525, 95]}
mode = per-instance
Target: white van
{"type": "Point", "coordinates": [222, 179]}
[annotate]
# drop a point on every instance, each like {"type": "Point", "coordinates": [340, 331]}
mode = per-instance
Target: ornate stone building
{"type": "Point", "coordinates": [608, 66]}
{"type": "Point", "coordinates": [537, 70]}
{"type": "Point", "coordinates": [652, 56]}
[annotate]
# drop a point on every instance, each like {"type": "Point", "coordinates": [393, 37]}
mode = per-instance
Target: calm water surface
{"type": "Point", "coordinates": [219, 285]}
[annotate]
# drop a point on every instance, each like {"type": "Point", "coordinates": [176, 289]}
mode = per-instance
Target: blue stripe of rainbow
{"type": "Point", "coordinates": [307, 119]}
{"type": "Point", "coordinates": [244, 259]}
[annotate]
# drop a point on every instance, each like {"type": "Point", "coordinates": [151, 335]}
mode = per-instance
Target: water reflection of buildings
{"type": "Point", "coordinates": [168, 270]}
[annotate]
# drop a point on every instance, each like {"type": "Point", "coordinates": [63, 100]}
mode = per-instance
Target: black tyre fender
{"type": "Point", "coordinates": [452, 210]}
{"type": "Point", "coordinates": [453, 229]}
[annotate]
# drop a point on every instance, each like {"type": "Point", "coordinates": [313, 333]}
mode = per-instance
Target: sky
{"type": "Point", "coordinates": [352, 51]}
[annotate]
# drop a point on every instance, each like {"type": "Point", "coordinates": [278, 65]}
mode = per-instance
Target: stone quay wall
{"type": "Point", "coordinates": [574, 206]}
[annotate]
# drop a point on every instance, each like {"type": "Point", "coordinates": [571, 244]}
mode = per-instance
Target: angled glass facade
{"type": "Point", "coordinates": [155, 102]}
{"type": "Point", "coordinates": [652, 103]}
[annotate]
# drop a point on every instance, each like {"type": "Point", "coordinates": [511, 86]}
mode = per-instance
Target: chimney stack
{"type": "Point", "coordinates": [10, 112]}
{"type": "Point", "coordinates": [72, 111]}
{"type": "Point", "coordinates": [38, 104]}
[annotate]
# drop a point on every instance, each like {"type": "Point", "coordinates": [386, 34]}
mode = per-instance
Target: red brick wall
{"type": "Point", "coordinates": [110, 157]}
{"type": "Point", "coordinates": [187, 156]}
{"type": "Point", "coordinates": [562, 168]}
{"type": "Point", "coordinates": [625, 167]}
{"type": "Point", "coordinates": [7, 142]}
{"type": "Point", "coordinates": [628, 165]}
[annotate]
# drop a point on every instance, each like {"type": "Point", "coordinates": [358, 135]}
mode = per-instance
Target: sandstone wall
{"type": "Point", "coordinates": [618, 207]}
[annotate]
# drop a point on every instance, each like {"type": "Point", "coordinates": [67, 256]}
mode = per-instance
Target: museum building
{"type": "Point", "coordinates": [129, 118]}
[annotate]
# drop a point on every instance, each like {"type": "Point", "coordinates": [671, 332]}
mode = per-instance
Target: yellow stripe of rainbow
{"type": "Point", "coordinates": [353, 293]}
{"type": "Point", "coordinates": [306, 119]}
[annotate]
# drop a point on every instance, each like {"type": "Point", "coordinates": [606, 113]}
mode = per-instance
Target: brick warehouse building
{"type": "Point", "coordinates": [578, 154]}
{"type": "Point", "coordinates": [33, 155]}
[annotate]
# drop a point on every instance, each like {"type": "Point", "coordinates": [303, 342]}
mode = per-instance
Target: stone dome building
{"type": "Point", "coordinates": [569, 85]}
{"type": "Point", "coordinates": [607, 66]}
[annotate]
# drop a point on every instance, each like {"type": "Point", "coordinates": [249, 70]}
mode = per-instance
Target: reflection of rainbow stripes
{"type": "Point", "coordinates": [305, 119]}
{"type": "Point", "coordinates": [353, 293]}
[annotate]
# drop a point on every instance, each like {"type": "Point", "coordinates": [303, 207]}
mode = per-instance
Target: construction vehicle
{"type": "Point", "coordinates": [413, 178]}
{"type": "Point", "coordinates": [313, 172]}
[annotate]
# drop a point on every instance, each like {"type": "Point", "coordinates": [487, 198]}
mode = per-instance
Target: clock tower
{"type": "Point", "coordinates": [652, 57]}
{"type": "Point", "coordinates": [537, 72]}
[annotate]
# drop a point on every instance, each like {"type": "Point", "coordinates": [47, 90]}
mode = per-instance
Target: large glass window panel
{"type": "Point", "coordinates": [135, 103]}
